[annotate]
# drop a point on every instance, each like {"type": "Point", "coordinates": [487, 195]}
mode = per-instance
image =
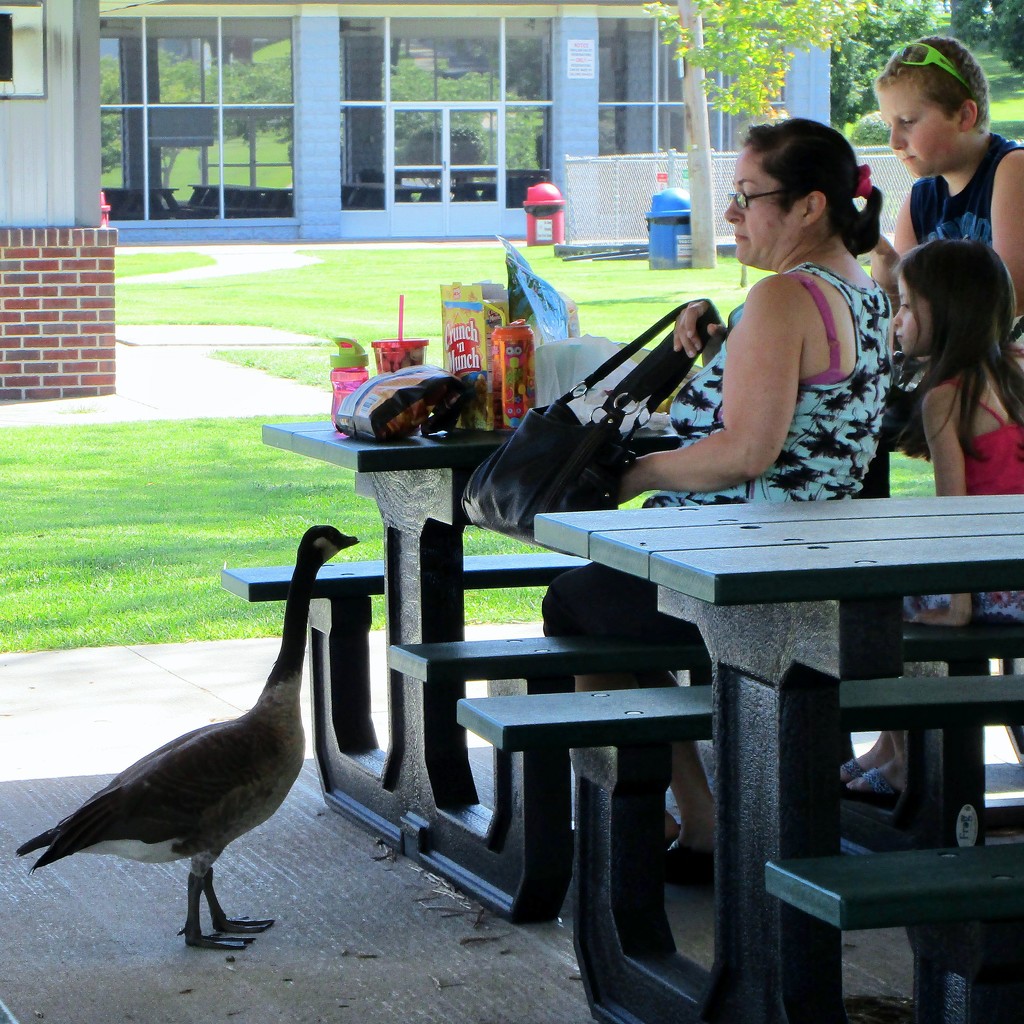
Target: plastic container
{"type": "Point", "coordinates": [669, 224]}
{"type": "Point", "coordinates": [395, 353]}
{"type": "Point", "coordinates": [348, 372]}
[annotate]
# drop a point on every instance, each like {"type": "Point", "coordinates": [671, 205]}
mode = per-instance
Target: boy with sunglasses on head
{"type": "Point", "coordinates": [934, 97]}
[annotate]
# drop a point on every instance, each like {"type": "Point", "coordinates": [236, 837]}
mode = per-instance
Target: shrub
{"type": "Point", "coordinates": [870, 130]}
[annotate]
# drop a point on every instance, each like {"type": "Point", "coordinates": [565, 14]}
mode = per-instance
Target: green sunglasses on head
{"type": "Point", "coordinates": [921, 54]}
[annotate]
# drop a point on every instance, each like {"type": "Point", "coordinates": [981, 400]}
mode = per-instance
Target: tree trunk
{"type": "Point", "coordinates": [698, 148]}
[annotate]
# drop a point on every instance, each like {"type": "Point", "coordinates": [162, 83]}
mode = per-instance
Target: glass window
{"type": "Point", "coordinates": [444, 59]}
{"type": "Point", "coordinates": [362, 58]}
{"type": "Point", "coordinates": [418, 137]}
{"type": "Point", "coordinates": [671, 128]}
{"type": "Point", "coordinates": [625, 51]}
{"type": "Point", "coordinates": [257, 57]}
{"type": "Point", "coordinates": [362, 158]}
{"type": "Point", "coordinates": [528, 59]}
{"type": "Point", "coordinates": [474, 138]}
{"type": "Point", "coordinates": [625, 130]}
{"type": "Point", "coordinates": [121, 61]}
{"type": "Point", "coordinates": [181, 152]}
{"type": "Point", "coordinates": [670, 76]}
{"type": "Point", "coordinates": [182, 60]}
{"type": "Point", "coordinates": [527, 151]}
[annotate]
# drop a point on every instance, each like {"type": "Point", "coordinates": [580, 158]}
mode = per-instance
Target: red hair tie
{"type": "Point", "coordinates": [864, 186]}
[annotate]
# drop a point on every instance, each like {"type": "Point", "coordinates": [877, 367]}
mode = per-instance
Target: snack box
{"type": "Point", "coordinates": [469, 315]}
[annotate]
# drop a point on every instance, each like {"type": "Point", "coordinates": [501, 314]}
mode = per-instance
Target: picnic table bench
{"type": "Point", "coordinates": [963, 908]}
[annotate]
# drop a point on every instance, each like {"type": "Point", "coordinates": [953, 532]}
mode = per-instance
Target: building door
{"type": "Point", "coordinates": [445, 171]}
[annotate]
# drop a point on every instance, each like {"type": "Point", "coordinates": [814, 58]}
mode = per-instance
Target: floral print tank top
{"type": "Point", "coordinates": [834, 433]}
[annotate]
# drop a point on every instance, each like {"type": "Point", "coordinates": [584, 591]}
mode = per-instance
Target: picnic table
{"type": "Point", "coordinates": [791, 598]}
{"type": "Point", "coordinates": [419, 794]}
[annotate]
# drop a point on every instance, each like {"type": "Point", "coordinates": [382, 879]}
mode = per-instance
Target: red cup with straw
{"type": "Point", "coordinates": [393, 353]}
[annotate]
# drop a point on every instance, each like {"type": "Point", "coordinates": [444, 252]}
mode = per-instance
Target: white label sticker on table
{"type": "Point", "coordinates": [967, 826]}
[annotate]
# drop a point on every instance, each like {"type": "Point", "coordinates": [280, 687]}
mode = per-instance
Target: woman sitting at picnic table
{"type": "Point", "coordinates": [787, 409]}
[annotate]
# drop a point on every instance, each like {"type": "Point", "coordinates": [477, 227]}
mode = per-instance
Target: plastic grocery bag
{"type": "Point", "coordinates": [548, 313]}
{"type": "Point", "coordinates": [561, 365]}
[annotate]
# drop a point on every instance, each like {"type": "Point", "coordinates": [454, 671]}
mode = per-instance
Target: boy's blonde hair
{"type": "Point", "coordinates": [939, 86]}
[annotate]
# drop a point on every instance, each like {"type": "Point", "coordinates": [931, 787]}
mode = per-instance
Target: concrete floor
{"type": "Point", "coordinates": [360, 936]}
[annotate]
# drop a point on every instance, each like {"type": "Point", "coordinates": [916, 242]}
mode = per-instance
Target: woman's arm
{"type": "Point", "coordinates": [1007, 223]}
{"type": "Point", "coordinates": [762, 374]}
{"type": "Point", "coordinates": [941, 414]}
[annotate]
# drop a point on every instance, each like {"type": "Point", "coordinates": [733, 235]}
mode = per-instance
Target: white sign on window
{"type": "Point", "coordinates": [582, 59]}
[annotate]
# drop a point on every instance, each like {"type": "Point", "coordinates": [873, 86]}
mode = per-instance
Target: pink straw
{"type": "Point", "coordinates": [401, 315]}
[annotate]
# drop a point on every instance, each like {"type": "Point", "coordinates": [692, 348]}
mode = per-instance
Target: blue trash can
{"type": "Point", "coordinates": [668, 224]}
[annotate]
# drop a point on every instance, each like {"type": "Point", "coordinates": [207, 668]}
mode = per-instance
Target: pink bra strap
{"type": "Point", "coordinates": [999, 419]}
{"type": "Point", "coordinates": [834, 373]}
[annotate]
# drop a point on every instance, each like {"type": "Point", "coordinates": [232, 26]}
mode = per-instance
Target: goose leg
{"type": "Point", "coordinates": [221, 922]}
{"type": "Point", "coordinates": [193, 931]}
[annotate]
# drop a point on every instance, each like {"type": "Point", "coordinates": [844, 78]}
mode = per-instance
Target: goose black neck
{"type": "Point", "coordinates": [296, 614]}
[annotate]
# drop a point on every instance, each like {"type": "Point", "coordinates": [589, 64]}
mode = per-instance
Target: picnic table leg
{"type": "Point", "coordinates": [968, 972]}
{"type": "Point", "coordinates": [348, 757]}
{"type": "Point", "coordinates": [499, 858]}
{"type": "Point", "coordinates": [772, 963]}
{"type": "Point", "coordinates": [624, 946]}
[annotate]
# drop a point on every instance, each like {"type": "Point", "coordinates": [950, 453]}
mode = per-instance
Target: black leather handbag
{"type": "Point", "coordinates": [555, 463]}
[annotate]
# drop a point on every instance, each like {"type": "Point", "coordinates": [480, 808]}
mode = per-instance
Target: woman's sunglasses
{"type": "Point", "coordinates": [921, 54]}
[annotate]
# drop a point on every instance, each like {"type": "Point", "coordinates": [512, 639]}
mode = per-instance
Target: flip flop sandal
{"type": "Point", "coordinates": [881, 793]}
{"type": "Point", "coordinates": [686, 866]}
{"type": "Point", "coordinates": [853, 769]}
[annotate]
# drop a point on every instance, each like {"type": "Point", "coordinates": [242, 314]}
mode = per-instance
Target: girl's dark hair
{"type": "Point", "coordinates": [806, 156]}
{"type": "Point", "coordinates": [971, 304]}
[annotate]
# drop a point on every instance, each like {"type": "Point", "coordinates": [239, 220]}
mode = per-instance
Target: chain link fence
{"type": "Point", "coordinates": [607, 197]}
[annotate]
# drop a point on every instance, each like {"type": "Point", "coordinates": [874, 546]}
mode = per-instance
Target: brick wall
{"type": "Point", "coordinates": [56, 312]}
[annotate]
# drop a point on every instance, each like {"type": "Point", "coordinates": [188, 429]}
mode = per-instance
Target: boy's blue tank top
{"type": "Point", "coordinates": [934, 213]}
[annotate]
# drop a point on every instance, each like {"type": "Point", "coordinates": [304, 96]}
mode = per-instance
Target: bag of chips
{"type": "Point", "coordinates": [393, 405]}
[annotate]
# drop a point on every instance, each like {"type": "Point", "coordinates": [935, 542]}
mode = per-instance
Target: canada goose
{"type": "Point", "coordinates": [197, 793]}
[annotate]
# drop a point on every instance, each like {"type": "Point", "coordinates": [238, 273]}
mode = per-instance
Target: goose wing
{"type": "Point", "coordinates": [195, 793]}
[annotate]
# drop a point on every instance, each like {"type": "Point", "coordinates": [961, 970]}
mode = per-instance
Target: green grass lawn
{"type": "Point", "coordinates": [354, 292]}
{"type": "Point", "coordinates": [116, 533]}
{"type": "Point", "coordinates": [129, 264]}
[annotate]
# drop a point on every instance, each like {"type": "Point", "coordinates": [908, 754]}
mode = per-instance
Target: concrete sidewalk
{"type": "Point", "coordinates": [168, 373]}
{"type": "Point", "coordinates": [360, 935]}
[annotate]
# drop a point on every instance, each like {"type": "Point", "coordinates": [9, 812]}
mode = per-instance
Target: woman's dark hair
{"type": "Point", "coordinates": [971, 306]}
{"type": "Point", "coordinates": [806, 156]}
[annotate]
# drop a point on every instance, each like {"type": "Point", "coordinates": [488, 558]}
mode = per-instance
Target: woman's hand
{"type": "Point", "coordinates": [687, 338]}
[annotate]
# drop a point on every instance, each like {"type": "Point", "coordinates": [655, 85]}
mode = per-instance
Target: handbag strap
{"type": "Point", "coordinates": [626, 351]}
{"type": "Point", "coordinates": [662, 371]}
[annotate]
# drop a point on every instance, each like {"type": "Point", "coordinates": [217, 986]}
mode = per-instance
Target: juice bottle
{"type": "Point", "coordinates": [348, 372]}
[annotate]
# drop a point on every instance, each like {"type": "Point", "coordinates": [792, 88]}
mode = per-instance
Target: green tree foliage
{"type": "Point", "coordinates": [886, 25]}
{"type": "Point", "coordinates": [752, 42]}
{"type": "Point", "coordinates": [997, 24]}
{"type": "Point", "coordinates": [1007, 33]}
{"type": "Point", "coordinates": [970, 20]}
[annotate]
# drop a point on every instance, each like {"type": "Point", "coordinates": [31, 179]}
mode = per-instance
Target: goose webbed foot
{"type": "Point", "coordinates": [222, 924]}
{"type": "Point", "coordinates": [194, 937]}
